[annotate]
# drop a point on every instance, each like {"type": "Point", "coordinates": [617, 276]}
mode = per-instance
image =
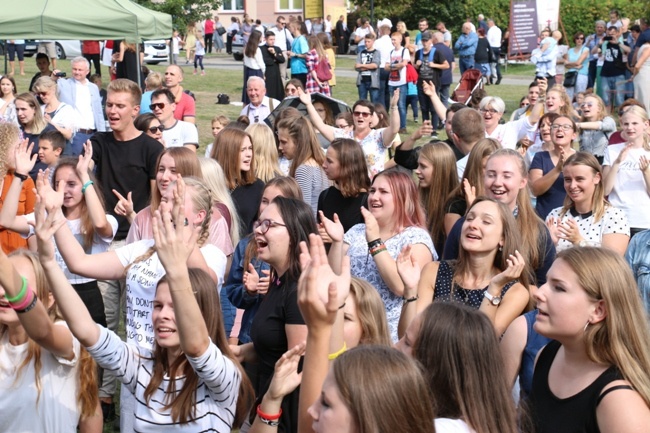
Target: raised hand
{"type": "Point", "coordinates": [305, 98]}
{"type": "Point", "coordinates": [425, 130]}
{"type": "Point", "coordinates": [25, 161]}
{"type": "Point", "coordinates": [428, 88]}
{"type": "Point", "coordinates": [45, 226]}
{"type": "Point", "coordinates": [286, 377]}
{"type": "Point", "coordinates": [552, 225]}
{"type": "Point", "coordinates": [320, 291]}
{"type": "Point", "coordinates": [124, 206]}
{"type": "Point", "coordinates": [251, 280]}
{"type": "Point", "coordinates": [372, 227]}
{"type": "Point", "coordinates": [334, 229]}
{"type": "Point", "coordinates": [570, 231]}
{"type": "Point", "coordinates": [83, 165]}
{"type": "Point", "coordinates": [409, 271]}
{"type": "Point", "coordinates": [516, 265]}
{"type": "Point", "coordinates": [170, 231]}
{"type": "Point", "coordinates": [51, 199]}
{"type": "Point", "coordinates": [395, 98]}
{"type": "Point", "coordinates": [644, 163]}
{"type": "Point", "coordinates": [470, 192]}
{"type": "Point", "coordinates": [621, 156]}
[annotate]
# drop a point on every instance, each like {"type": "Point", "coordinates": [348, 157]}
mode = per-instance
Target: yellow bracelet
{"type": "Point", "coordinates": [333, 356]}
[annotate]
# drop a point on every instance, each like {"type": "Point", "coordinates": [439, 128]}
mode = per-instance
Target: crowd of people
{"type": "Point", "coordinates": [319, 272]}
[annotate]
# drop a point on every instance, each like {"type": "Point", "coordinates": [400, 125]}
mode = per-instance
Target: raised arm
{"type": "Point", "coordinates": [93, 203]}
{"type": "Point", "coordinates": [391, 131]}
{"type": "Point", "coordinates": [430, 90]}
{"type": "Point", "coordinates": [174, 244]}
{"type": "Point", "coordinates": [24, 161]}
{"type": "Point", "coordinates": [418, 287]}
{"type": "Point", "coordinates": [611, 171]}
{"type": "Point", "coordinates": [75, 313]}
{"type": "Point", "coordinates": [326, 130]}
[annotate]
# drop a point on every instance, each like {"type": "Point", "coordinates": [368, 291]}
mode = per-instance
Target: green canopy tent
{"type": "Point", "coordinates": [83, 20]}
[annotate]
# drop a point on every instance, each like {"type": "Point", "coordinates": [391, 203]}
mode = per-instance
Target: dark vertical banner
{"type": "Point", "coordinates": [523, 28]}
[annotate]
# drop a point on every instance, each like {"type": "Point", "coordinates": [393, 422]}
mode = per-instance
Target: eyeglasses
{"type": "Point", "coordinates": [155, 129]}
{"type": "Point", "coordinates": [265, 225]}
{"type": "Point", "coordinates": [562, 127]}
{"type": "Point", "coordinates": [587, 104]}
{"type": "Point", "coordinates": [489, 110]}
{"type": "Point", "coordinates": [363, 114]}
{"type": "Point", "coordinates": [159, 105]}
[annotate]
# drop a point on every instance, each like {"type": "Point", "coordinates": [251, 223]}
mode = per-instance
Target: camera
{"type": "Point", "coordinates": [607, 38]}
{"type": "Point", "coordinates": [60, 74]}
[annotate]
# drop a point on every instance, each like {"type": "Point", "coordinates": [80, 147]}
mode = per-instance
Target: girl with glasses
{"type": "Point", "coordinates": [545, 174]}
{"type": "Point", "coordinates": [595, 127]}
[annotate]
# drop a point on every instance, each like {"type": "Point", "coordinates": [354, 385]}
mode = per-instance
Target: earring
{"type": "Point", "coordinates": [500, 247]}
{"type": "Point", "coordinates": [586, 326]}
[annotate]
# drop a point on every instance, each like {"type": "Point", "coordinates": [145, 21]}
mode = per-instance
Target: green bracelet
{"type": "Point", "coordinates": [86, 185]}
{"type": "Point", "coordinates": [20, 294]}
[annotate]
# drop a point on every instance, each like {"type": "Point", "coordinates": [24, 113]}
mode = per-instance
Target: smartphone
{"type": "Point", "coordinates": [60, 74]}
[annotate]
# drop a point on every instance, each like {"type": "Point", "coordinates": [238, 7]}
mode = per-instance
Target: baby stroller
{"type": "Point", "coordinates": [470, 81]}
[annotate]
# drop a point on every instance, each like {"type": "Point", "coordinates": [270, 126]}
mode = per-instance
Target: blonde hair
{"type": "Point", "coordinates": [266, 154]}
{"type": "Point", "coordinates": [371, 312]}
{"type": "Point", "coordinates": [637, 111]}
{"type": "Point", "coordinates": [622, 338]}
{"type": "Point", "coordinates": [9, 136]}
{"type": "Point", "coordinates": [598, 202]}
{"type": "Point", "coordinates": [215, 180]}
{"type": "Point", "coordinates": [153, 81]}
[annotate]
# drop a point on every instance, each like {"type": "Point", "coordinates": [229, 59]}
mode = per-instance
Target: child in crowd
{"type": "Point", "coordinates": [545, 55]}
{"type": "Point", "coordinates": [199, 52]}
{"type": "Point", "coordinates": [175, 43]}
{"type": "Point", "coordinates": [51, 145]}
{"type": "Point", "coordinates": [412, 98]}
{"type": "Point", "coordinates": [218, 123]}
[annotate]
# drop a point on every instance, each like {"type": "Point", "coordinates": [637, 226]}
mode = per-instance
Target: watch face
{"type": "Point", "coordinates": [496, 300]}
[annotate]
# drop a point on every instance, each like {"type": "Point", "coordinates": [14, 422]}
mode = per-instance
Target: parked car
{"type": "Point", "coordinates": [30, 47]}
{"type": "Point", "coordinates": [156, 51]}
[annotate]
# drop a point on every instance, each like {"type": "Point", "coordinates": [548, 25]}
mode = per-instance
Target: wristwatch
{"type": "Point", "coordinates": [22, 177]}
{"type": "Point", "coordinates": [494, 300]}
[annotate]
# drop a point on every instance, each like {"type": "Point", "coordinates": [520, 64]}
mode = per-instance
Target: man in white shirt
{"type": "Point", "coordinates": [283, 39]}
{"type": "Point", "coordinates": [177, 133]}
{"type": "Point", "coordinates": [494, 39]}
{"type": "Point", "coordinates": [384, 46]}
{"type": "Point", "coordinates": [83, 95]}
{"type": "Point", "coordinates": [361, 32]}
{"type": "Point", "coordinates": [261, 105]}
{"type": "Point", "coordinates": [328, 27]}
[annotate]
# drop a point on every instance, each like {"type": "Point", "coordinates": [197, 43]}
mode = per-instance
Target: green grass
{"type": "Point", "coordinates": [229, 81]}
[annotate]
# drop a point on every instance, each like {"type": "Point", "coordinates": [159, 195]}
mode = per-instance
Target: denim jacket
{"type": "Point", "coordinates": [234, 291]}
{"type": "Point", "coordinates": [638, 256]}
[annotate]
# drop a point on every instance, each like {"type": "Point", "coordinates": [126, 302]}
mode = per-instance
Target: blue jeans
{"type": "Point", "coordinates": [496, 67]}
{"type": "Point", "coordinates": [76, 146]}
{"type": "Point", "coordinates": [365, 89]}
{"type": "Point", "coordinates": [466, 63]}
{"type": "Point", "coordinates": [613, 86]}
{"type": "Point", "coordinates": [401, 104]}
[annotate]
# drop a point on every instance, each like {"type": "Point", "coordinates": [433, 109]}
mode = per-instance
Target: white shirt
{"type": "Point", "coordinates": [83, 107]}
{"type": "Point", "coordinates": [494, 36]}
{"type": "Point", "coordinates": [328, 26]}
{"type": "Point", "coordinates": [510, 133]}
{"type": "Point", "coordinates": [281, 38]}
{"type": "Point", "coordinates": [384, 46]}
{"type": "Point", "coordinates": [261, 112]}
{"type": "Point", "coordinates": [180, 134]}
{"type": "Point", "coordinates": [460, 166]}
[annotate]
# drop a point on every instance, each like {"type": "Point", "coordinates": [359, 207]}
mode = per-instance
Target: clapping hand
{"type": "Point", "coordinates": [516, 265]}
{"type": "Point", "coordinates": [372, 226]}
{"type": "Point", "coordinates": [45, 226]}
{"type": "Point", "coordinates": [83, 165]}
{"type": "Point", "coordinates": [409, 271]}
{"type": "Point", "coordinates": [569, 231]}
{"type": "Point", "coordinates": [51, 199]}
{"type": "Point", "coordinates": [320, 291]}
{"type": "Point", "coordinates": [470, 192]}
{"type": "Point", "coordinates": [25, 161]}
{"type": "Point", "coordinates": [333, 229]}
{"type": "Point", "coordinates": [286, 377]}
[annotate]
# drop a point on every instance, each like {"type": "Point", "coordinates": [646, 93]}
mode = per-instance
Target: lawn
{"type": "Point", "coordinates": [229, 81]}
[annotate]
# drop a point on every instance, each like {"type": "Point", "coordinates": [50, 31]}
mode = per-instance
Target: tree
{"type": "Point", "coordinates": [183, 12]}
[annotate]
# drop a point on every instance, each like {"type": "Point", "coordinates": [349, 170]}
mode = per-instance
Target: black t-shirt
{"type": "Point", "coordinates": [366, 59]}
{"type": "Point", "coordinates": [125, 166]}
{"type": "Point", "coordinates": [613, 64]}
{"type": "Point", "coordinates": [348, 209]}
{"type": "Point", "coordinates": [33, 138]}
{"type": "Point", "coordinates": [247, 202]}
{"type": "Point", "coordinates": [426, 73]}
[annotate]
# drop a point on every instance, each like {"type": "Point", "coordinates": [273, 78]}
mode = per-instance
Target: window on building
{"type": "Point", "coordinates": [290, 5]}
{"type": "Point", "coordinates": [233, 5]}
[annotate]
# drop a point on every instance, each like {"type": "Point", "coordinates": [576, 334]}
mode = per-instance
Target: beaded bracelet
{"type": "Point", "coordinates": [375, 243]}
{"type": "Point", "coordinates": [19, 297]}
{"type": "Point", "coordinates": [377, 250]}
{"type": "Point", "coordinates": [30, 306]}
{"type": "Point", "coordinates": [86, 185]}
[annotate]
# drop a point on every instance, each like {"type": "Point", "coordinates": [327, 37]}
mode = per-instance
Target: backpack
{"type": "Point", "coordinates": [427, 72]}
{"type": "Point", "coordinates": [223, 99]}
{"type": "Point", "coordinates": [323, 70]}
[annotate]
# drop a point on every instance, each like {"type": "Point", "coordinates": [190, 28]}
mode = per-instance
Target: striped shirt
{"type": "Point", "coordinates": [216, 392]}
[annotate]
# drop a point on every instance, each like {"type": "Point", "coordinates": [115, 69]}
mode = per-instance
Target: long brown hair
{"type": "Point", "coordinates": [463, 367]}
{"type": "Point", "coordinates": [353, 176]}
{"type": "Point", "coordinates": [314, 44]}
{"type": "Point", "coordinates": [87, 395]}
{"type": "Point", "coordinates": [443, 182]}
{"type": "Point", "coordinates": [183, 405]}
{"type": "Point", "coordinates": [186, 163]}
{"type": "Point", "coordinates": [86, 226]}
{"type": "Point", "coordinates": [371, 312]}
{"type": "Point", "coordinates": [304, 138]}
{"type": "Point", "coordinates": [227, 150]}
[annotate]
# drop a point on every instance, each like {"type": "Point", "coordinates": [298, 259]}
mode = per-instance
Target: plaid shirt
{"type": "Point", "coordinates": [312, 85]}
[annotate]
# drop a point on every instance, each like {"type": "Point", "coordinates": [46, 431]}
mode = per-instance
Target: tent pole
{"type": "Point", "coordinates": [137, 56]}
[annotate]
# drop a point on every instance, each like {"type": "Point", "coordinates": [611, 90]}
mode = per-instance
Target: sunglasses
{"type": "Point", "coordinates": [159, 105]}
{"type": "Point", "coordinates": [41, 94]}
{"type": "Point", "coordinates": [155, 129]}
{"type": "Point", "coordinates": [363, 114]}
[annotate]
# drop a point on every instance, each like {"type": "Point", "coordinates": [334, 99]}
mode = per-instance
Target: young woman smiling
{"type": "Point", "coordinates": [486, 275]}
{"type": "Point", "coordinates": [586, 217]}
{"type": "Point", "coordinates": [626, 170]}
{"type": "Point", "coordinates": [374, 142]}
{"type": "Point", "coordinates": [32, 124]}
{"type": "Point", "coordinates": [595, 127]}
{"type": "Point", "coordinates": [594, 376]}
{"type": "Point", "coordinates": [393, 220]}
{"type": "Point", "coordinates": [545, 174]}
